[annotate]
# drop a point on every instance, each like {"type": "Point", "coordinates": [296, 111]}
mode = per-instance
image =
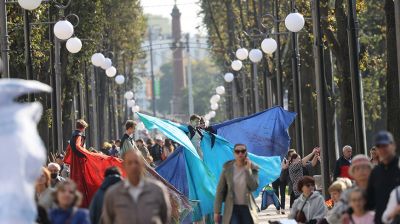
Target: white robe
{"type": "Point", "coordinates": [22, 151]}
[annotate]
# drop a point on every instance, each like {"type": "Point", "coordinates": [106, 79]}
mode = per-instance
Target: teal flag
{"type": "Point", "coordinates": [202, 175]}
{"type": "Point", "coordinates": [202, 184]}
{"type": "Point", "coordinates": [222, 151]}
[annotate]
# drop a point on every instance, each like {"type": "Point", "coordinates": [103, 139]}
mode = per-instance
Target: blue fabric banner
{"type": "Point", "coordinates": [201, 176]}
{"type": "Point", "coordinates": [173, 169]}
{"type": "Point", "coordinates": [264, 133]}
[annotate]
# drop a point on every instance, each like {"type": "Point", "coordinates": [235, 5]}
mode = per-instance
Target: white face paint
{"type": "Point", "coordinates": [18, 123]}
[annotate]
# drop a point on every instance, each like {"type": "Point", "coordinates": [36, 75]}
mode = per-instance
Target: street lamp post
{"type": "Point", "coordinates": [28, 58]}
{"type": "Point", "coordinates": [4, 39]}
{"type": "Point", "coordinates": [153, 94]}
{"type": "Point", "coordinates": [296, 83]}
{"type": "Point", "coordinates": [255, 56]}
{"type": "Point", "coordinates": [397, 21]}
{"type": "Point", "coordinates": [57, 70]}
{"type": "Point", "coordinates": [189, 73]}
{"type": "Point", "coordinates": [278, 58]}
{"type": "Point", "coordinates": [63, 30]}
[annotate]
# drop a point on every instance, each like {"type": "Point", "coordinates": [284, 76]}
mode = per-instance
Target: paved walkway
{"type": "Point", "coordinates": [270, 213]}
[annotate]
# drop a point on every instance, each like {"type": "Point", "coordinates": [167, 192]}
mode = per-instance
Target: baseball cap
{"type": "Point", "coordinates": [383, 138]}
{"type": "Point", "coordinates": [159, 138]}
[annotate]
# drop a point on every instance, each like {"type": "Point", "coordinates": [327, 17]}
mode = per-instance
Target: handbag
{"type": "Point", "coordinates": [396, 220]}
{"type": "Point", "coordinates": [300, 215]}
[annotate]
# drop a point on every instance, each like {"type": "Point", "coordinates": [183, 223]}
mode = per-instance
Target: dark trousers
{"type": "Point", "coordinates": [280, 186]}
{"type": "Point", "coordinates": [241, 215]}
{"type": "Point", "coordinates": [292, 198]}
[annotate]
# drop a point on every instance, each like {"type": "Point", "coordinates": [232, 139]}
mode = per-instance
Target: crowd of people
{"type": "Point", "coordinates": [154, 151]}
{"type": "Point", "coordinates": [59, 200]}
{"type": "Point", "coordinates": [364, 190]}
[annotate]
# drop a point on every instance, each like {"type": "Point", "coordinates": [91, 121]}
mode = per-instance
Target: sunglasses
{"type": "Point", "coordinates": [243, 151]}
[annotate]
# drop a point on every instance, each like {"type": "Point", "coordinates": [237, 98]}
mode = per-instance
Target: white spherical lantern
{"type": "Point", "coordinates": [229, 77]}
{"type": "Point", "coordinates": [130, 103]}
{"type": "Point", "coordinates": [107, 63]}
{"type": "Point", "coordinates": [215, 99]}
{"type": "Point", "coordinates": [63, 30]}
{"type": "Point", "coordinates": [214, 106]}
{"type": "Point", "coordinates": [242, 53]}
{"type": "Point", "coordinates": [269, 45]}
{"type": "Point", "coordinates": [212, 114]}
{"type": "Point", "coordinates": [255, 55]}
{"type": "Point", "coordinates": [128, 95]}
{"type": "Point", "coordinates": [29, 4]}
{"type": "Point", "coordinates": [294, 22]}
{"type": "Point", "coordinates": [135, 109]}
{"type": "Point", "coordinates": [111, 71]}
{"type": "Point", "coordinates": [74, 45]}
{"type": "Point", "coordinates": [119, 79]}
{"type": "Point", "coordinates": [220, 90]}
{"type": "Point", "coordinates": [98, 59]}
{"type": "Point", "coordinates": [207, 117]}
{"type": "Point", "coordinates": [236, 65]}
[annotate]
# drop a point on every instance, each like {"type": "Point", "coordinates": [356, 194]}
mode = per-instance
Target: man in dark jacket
{"type": "Point", "coordinates": [343, 163]}
{"type": "Point", "coordinates": [157, 150]}
{"type": "Point", "coordinates": [112, 176]}
{"type": "Point", "coordinates": [385, 176]}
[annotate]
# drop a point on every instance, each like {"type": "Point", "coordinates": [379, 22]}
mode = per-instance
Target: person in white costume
{"type": "Point", "coordinates": [20, 166]}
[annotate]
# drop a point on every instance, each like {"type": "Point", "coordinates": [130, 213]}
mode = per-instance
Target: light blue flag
{"type": "Point", "coordinates": [264, 133]}
{"type": "Point", "coordinates": [222, 152]}
{"type": "Point", "coordinates": [170, 129]}
{"type": "Point", "coordinates": [202, 183]}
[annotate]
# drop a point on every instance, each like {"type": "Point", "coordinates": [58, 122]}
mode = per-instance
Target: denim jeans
{"type": "Point", "coordinates": [241, 215]}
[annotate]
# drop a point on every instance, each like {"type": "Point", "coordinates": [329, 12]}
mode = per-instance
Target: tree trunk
{"type": "Point", "coordinates": [308, 107]}
{"type": "Point", "coordinates": [330, 108]}
{"type": "Point", "coordinates": [343, 70]}
{"type": "Point", "coordinates": [392, 86]}
{"type": "Point", "coordinates": [68, 85]}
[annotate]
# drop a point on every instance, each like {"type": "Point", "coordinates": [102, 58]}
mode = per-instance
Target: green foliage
{"type": "Point", "coordinates": [226, 20]}
{"type": "Point", "coordinates": [115, 28]}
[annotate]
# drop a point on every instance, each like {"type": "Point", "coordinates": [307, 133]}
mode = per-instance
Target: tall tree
{"type": "Point", "coordinates": [392, 87]}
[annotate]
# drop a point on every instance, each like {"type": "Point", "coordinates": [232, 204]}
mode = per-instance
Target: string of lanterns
{"type": "Point", "coordinates": [99, 60]}
{"type": "Point", "coordinates": [63, 29]}
{"type": "Point", "coordinates": [220, 90]}
{"type": "Point", "coordinates": [294, 22]}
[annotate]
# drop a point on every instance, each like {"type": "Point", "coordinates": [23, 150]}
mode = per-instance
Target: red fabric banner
{"type": "Point", "coordinates": [88, 171]}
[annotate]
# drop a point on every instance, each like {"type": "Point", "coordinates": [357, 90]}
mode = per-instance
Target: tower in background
{"type": "Point", "coordinates": [179, 74]}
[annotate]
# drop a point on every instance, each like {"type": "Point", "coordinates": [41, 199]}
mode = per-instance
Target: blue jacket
{"type": "Point", "coordinates": [96, 206]}
{"type": "Point", "coordinates": [60, 216]}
